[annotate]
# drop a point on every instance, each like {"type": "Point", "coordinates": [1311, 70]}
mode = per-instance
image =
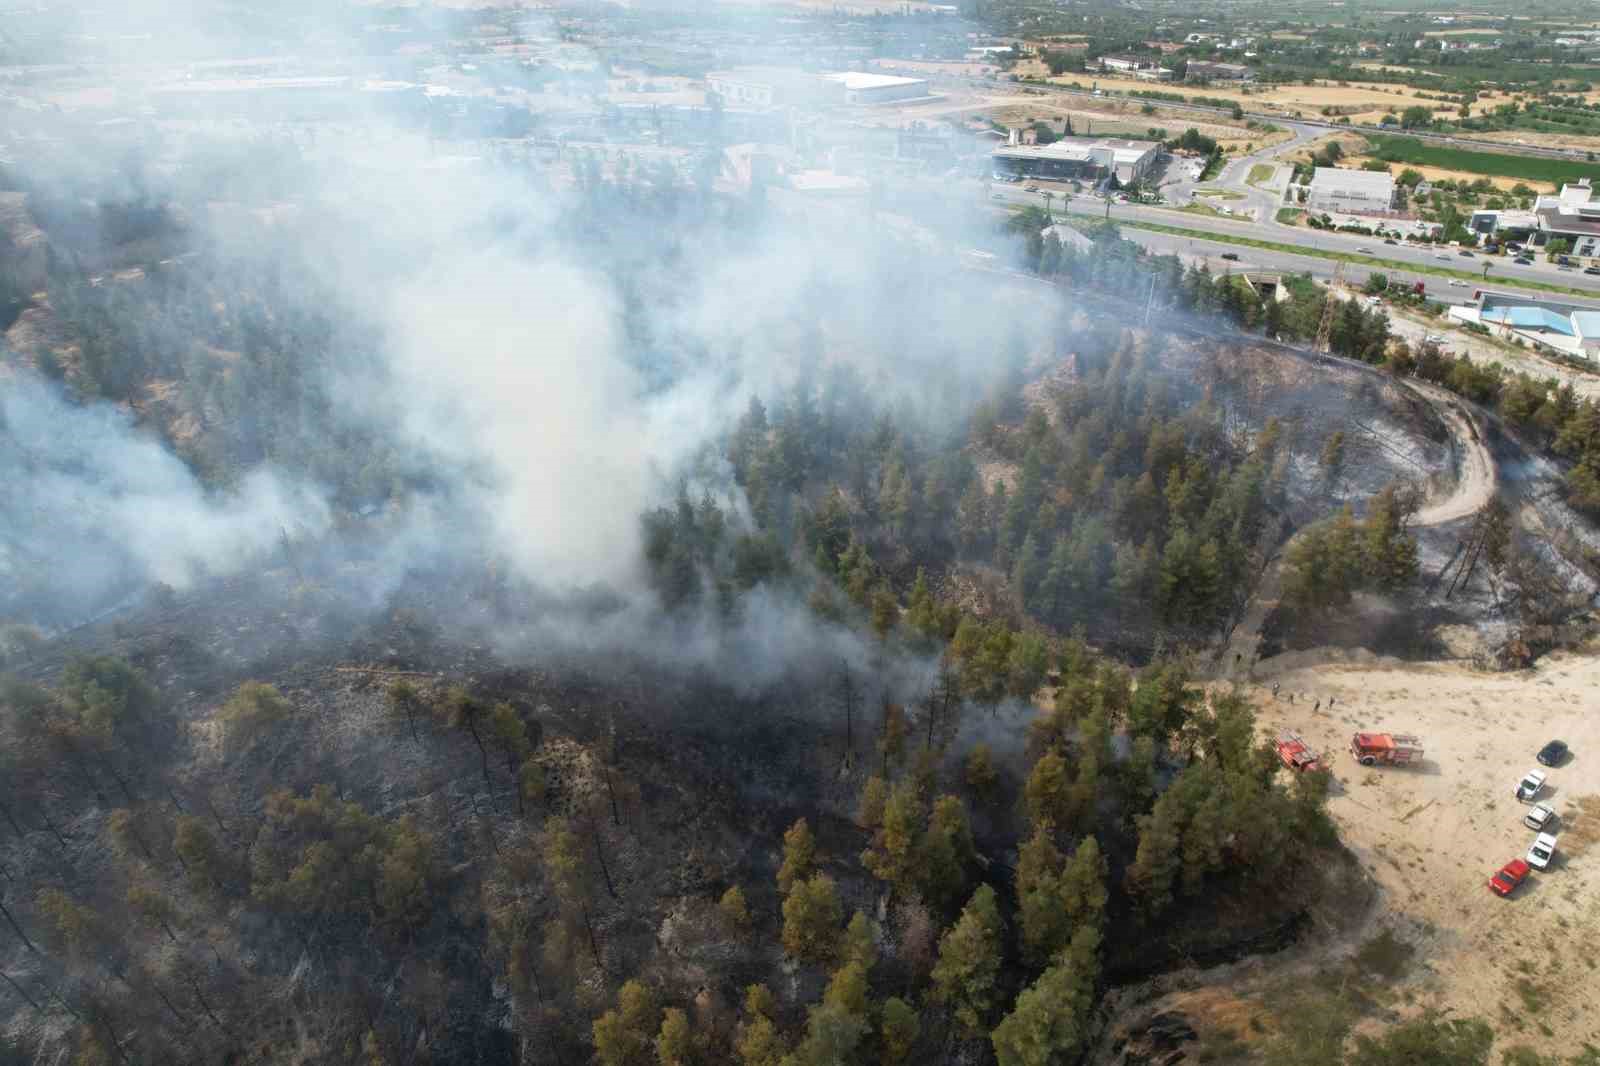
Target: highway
{"type": "Point", "coordinates": [1502, 273]}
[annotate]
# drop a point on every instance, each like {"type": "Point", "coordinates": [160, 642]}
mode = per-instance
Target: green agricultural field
{"type": "Point", "coordinates": [1529, 168]}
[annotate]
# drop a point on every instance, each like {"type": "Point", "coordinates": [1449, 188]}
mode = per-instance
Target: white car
{"type": "Point", "coordinates": [1458, 283]}
{"type": "Point", "coordinates": [1543, 850]}
{"type": "Point", "coordinates": [1443, 257]}
{"type": "Point", "coordinates": [1364, 251]}
{"type": "Point", "coordinates": [1539, 816]}
{"type": "Point", "coordinates": [1530, 786]}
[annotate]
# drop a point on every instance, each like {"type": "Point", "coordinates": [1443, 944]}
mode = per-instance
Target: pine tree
{"type": "Point", "coordinates": [812, 915]}
{"type": "Point", "coordinates": [799, 855]}
{"type": "Point", "coordinates": [1046, 793]}
{"type": "Point", "coordinates": [1045, 927]}
{"type": "Point", "coordinates": [674, 1043]}
{"type": "Point", "coordinates": [898, 1029]}
{"type": "Point", "coordinates": [966, 977]}
{"type": "Point", "coordinates": [622, 1036]}
{"type": "Point", "coordinates": [874, 797]}
{"type": "Point", "coordinates": [891, 854]}
{"type": "Point", "coordinates": [946, 853]}
{"type": "Point", "coordinates": [981, 776]}
{"type": "Point", "coordinates": [1049, 1021]}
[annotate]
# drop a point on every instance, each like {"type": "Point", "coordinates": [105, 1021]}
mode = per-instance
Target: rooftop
{"type": "Point", "coordinates": [856, 79]}
{"type": "Point", "coordinates": [1080, 149]}
{"type": "Point", "coordinates": [1376, 182]}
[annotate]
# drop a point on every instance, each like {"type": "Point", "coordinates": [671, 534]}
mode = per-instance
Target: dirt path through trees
{"type": "Point", "coordinates": [1474, 487]}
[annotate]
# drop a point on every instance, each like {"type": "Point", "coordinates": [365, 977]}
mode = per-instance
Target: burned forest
{"type": "Point", "coordinates": [474, 593]}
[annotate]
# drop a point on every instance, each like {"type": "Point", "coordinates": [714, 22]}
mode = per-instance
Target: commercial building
{"type": "Point", "coordinates": [1081, 158]}
{"type": "Point", "coordinates": [1565, 328]}
{"type": "Point", "coordinates": [863, 88]}
{"type": "Point", "coordinates": [1205, 70]}
{"type": "Point", "coordinates": [1125, 64]}
{"type": "Point", "coordinates": [1573, 216]}
{"type": "Point", "coordinates": [763, 87]}
{"type": "Point", "coordinates": [1351, 192]}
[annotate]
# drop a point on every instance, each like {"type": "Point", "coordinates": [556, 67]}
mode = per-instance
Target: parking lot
{"type": "Point", "coordinates": [1433, 835]}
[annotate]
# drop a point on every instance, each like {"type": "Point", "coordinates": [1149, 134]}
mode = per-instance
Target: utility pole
{"type": "Point", "coordinates": [1325, 327]}
{"type": "Point", "coordinates": [1149, 300]}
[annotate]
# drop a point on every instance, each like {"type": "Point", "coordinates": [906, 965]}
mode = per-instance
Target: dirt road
{"type": "Point", "coordinates": [1473, 488]}
{"type": "Point", "coordinates": [1432, 835]}
{"type": "Point", "coordinates": [1475, 480]}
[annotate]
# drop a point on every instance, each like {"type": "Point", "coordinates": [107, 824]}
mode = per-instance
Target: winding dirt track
{"type": "Point", "coordinates": [1475, 483]}
{"type": "Point", "coordinates": [1472, 491]}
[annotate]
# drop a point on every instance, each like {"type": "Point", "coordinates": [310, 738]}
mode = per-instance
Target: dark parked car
{"type": "Point", "coordinates": [1390, 240]}
{"type": "Point", "coordinates": [1230, 255]}
{"type": "Point", "coordinates": [1553, 753]}
{"type": "Point", "coordinates": [1592, 270]}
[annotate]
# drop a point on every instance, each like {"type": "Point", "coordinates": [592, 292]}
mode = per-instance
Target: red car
{"type": "Point", "coordinates": [1510, 876]}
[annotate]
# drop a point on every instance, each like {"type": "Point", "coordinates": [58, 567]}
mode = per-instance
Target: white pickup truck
{"type": "Point", "coordinates": [1530, 786]}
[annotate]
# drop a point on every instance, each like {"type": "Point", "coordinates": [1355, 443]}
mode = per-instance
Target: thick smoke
{"type": "Point", "coordinates": [511, 377]}
{"type": "Point", "coordinates": [92, 505]}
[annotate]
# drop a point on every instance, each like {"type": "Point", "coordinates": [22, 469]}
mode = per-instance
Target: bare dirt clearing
{"type": "Point", "coordinates": [1432, 835]}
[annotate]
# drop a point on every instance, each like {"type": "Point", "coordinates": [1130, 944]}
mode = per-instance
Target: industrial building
{"type": "Point", "coordinates": [1126, 64]}
{"type": "Point", "coordinates": [763, 87]}
{"type": "Point", "coordinates": [1565, 328]}
{"type": "Point", "coordinates": [1080, 158]}
{"type": "Point", "coordinates": [863, 88]}
{"type": "Point", "coordinates": [1204, 70]}
{"type": "Point", "coordinates": [1351, 192]}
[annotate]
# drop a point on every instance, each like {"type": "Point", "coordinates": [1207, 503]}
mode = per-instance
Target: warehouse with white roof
{"type": "Point", "coordinates": [1352, 192]}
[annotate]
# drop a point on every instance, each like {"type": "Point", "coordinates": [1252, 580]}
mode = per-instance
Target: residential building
{"type": "Point", "coordinates": [1205, 70]}
{"type": "Point", "coordinates": [1573, 215]}
{"type": "Point", "coordinates": [1082, 158]}
{"type": "Point", "coordinates": [1351, 192]}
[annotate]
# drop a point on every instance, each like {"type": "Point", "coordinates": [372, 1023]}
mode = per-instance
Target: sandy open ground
{"type": "Point", "coordinates": [1433, 835]}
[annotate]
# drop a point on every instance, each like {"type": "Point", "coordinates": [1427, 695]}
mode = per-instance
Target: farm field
{"type": "Point", "coordinates": [1399, 149]}
{"type": "Point", "coordinates": [1361, 101]}
{"type": "Point", "coordinates": [1446, 174]}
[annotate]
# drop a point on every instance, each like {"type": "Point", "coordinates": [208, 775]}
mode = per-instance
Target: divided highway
{"type": "Point", "coordinates": [1503, 275]}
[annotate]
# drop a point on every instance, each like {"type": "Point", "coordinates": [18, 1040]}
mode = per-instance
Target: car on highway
{"type": "Point", "coordinates": [1458, 283]}
{"type": "Point", "coordinates": [1390, 240]}
{"type": "Point", "coordinates": [1592, 270]}
{"type": "Point", "coordinates": [1543, 850]}
{"type": "Point", "coordinates": [1033, 188]}
{"type": "Point", "coordinates": [1508, 877]}
{"type": "Point", "coordinates": [1464, 254]}
{"type": "Point", "coordinates": [1232, 257]}
{"type": "Point", "coordinates": [1364, 251]}
{"type": "Point", "coordinates": [1442, 256]}
{"type": "Point", "coordinates": [1553, 753]}
{"type": "Point", "coordinates": [1530, 786]}
{"type": "Point", "coordinates": [1523, 260]}
{"type": "Point", "coordinates": [1539, 817]}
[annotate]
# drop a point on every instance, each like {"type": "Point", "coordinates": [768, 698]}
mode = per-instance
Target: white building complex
{"type": "Point", "coordinates": [1574, 215]}
{"type": "Point", "coordinates": [1079, 158]}
{"type": "Point", "coordinates": [1351, 192]}
{"type": "Point", "coordinates": [864, 88]}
